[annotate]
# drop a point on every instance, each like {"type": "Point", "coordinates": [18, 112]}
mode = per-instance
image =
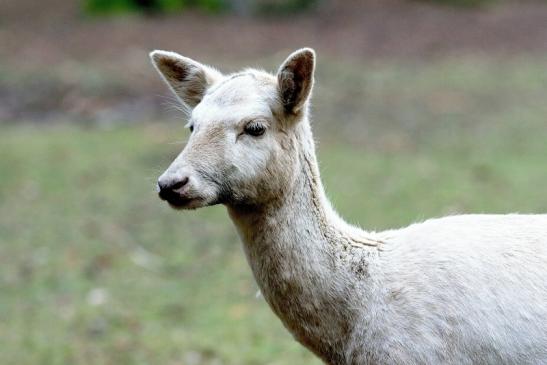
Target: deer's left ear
{"type": "Point", "coordinates": [188, 79]}
{"type": "Point", "coordinates": [295, 79]}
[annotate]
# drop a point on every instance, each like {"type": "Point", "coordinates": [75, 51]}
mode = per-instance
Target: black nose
{"type": "Point", "coordinates": [167, 188]}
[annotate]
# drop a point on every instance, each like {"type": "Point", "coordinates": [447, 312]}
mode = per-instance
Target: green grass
{"type": "Point", "coordinates": [94, 269]}
{"type": "Point", "coordinates": [79, 215]}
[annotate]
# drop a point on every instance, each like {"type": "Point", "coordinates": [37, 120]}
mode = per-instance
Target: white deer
{"type": "Point", "coordinates": [469, 289]}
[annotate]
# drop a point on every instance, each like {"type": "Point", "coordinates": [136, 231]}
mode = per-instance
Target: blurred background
{"type": "Point", "coordinates": [421, 109]}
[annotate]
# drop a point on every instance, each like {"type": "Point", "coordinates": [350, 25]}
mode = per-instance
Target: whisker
{"type": "Point", "coordinates": [174, 104]}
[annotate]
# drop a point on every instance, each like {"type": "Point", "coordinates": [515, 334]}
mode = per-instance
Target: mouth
{"type": "Point", "coordinates": [181, 202]}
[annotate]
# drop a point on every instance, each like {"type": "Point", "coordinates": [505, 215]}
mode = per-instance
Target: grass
{"type": "Point", "coordinates": [94, 269]}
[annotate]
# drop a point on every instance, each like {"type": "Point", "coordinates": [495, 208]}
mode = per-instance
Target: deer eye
{"type": "Point", "coordinates": [191, 128]}
{"type": "Point", "coordinates": [255, 128]}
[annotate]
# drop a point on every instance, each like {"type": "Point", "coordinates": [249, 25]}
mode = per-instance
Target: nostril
{"type": "Point", "coordinates": [180, 183]}
{"type": "Point", "coordinates": [163, 191]}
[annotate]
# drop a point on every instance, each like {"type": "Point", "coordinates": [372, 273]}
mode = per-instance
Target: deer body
{"type": "Point", "coordinates": [459, 290]}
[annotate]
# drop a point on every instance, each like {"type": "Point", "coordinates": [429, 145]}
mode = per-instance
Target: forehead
{"type": "Point", "coordinates": [239, 96]}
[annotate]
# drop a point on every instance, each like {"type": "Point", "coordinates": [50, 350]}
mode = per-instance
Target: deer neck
{"type": "Point", "coordinates": [301, 254]}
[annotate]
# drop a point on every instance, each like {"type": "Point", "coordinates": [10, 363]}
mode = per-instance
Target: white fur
{"type": "Point", "coordinates": [468, 289]}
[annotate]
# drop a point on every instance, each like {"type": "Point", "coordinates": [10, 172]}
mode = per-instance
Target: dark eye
{"type": "Point", "coordinates": [255, 129]}
{"type": "Point", "coordinates": [191, 128]}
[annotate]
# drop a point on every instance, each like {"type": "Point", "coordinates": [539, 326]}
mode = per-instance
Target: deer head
{"type": "Point", "coordinates": [243, 148]}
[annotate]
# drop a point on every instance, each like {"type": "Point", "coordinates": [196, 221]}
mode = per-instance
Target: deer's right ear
{"type": "Point", "coordinates": [188, 79]}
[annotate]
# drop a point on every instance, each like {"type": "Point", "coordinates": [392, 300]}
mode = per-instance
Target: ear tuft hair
{"type": "Point", "coordinates": [295, 79]}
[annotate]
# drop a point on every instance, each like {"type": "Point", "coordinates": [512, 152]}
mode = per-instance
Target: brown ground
{"type": "Point", "coordinates": [56, 63]}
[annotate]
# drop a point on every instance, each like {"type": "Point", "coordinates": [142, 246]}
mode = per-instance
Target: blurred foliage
{"type": "Point", "coordinates": [151, 6]}
{"type": "Point", "coordinates": [246, 7]}
{"type": "Point", "coordinates": [213, 6]}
